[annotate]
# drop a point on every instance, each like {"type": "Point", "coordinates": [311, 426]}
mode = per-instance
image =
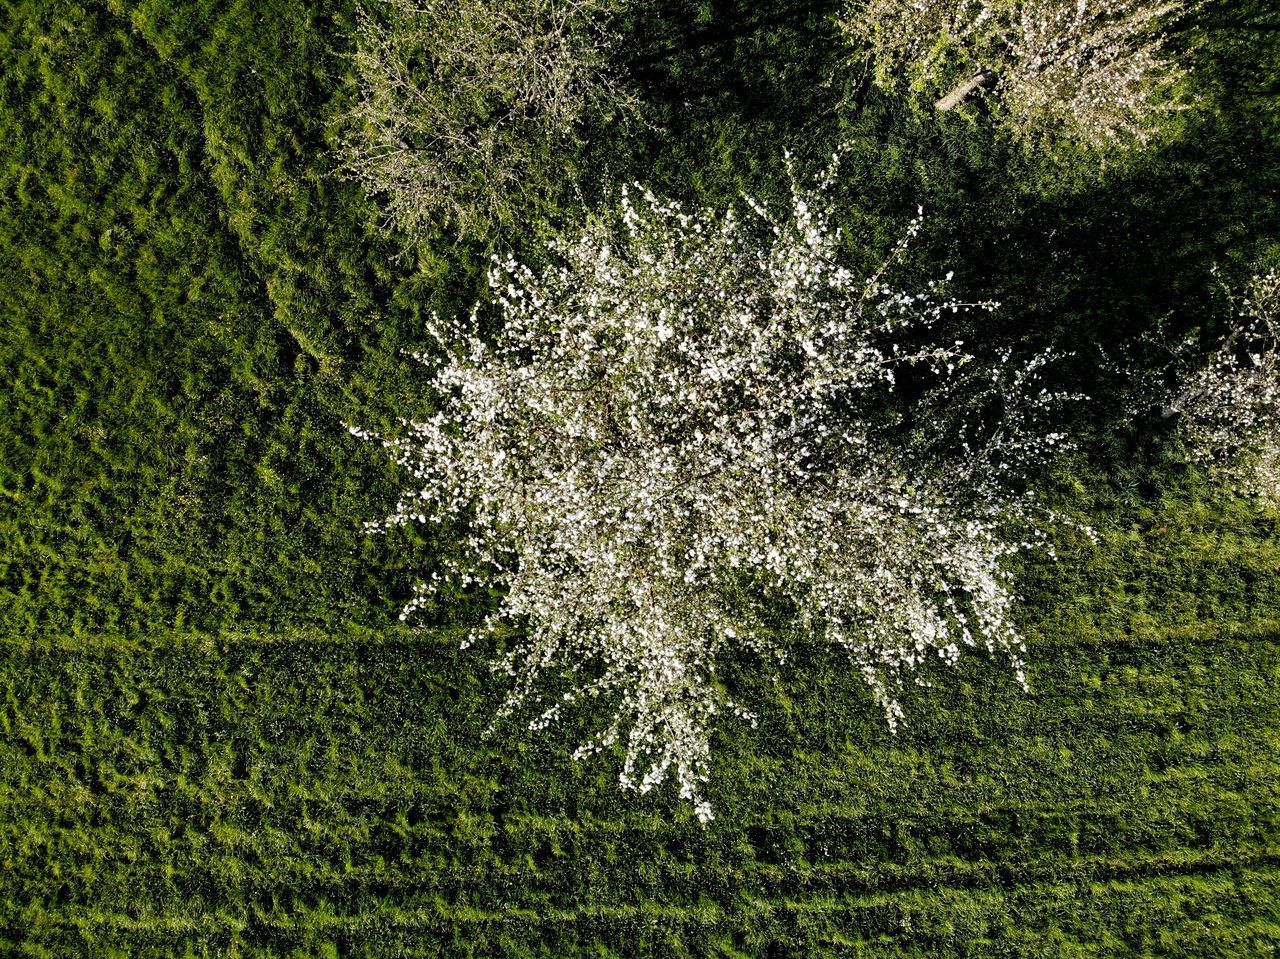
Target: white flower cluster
{"type": "Point", "coordinates": [1095, 70]}
{"type": "Point", "coordinates": [1230, 408]}
{"type": "Point", "coordinates": [699, 433]}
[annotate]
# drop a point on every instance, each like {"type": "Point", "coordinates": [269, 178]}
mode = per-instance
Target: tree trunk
{"type": "Point", "coordinates": [980, 82]}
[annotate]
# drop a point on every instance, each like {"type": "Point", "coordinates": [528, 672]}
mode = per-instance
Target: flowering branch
{"type": "Point", "coordinates": [460, 100]}
{"type": "Point", "coordinates": [1229, 408]}
{"type": "Point", "coordinates": [1094, 70]}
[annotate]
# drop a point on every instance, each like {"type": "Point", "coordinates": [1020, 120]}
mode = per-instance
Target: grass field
{"type": "Point", "coordinates": [215, 741]}
{"type": "Point", "coordinates": [327, 794]}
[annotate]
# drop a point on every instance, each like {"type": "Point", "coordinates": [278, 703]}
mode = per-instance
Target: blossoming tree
{"type": "Point", "coordinates": [1229, 407]}
{"type": "Point", "coordinates": [695, 426]}
{"type": "Point", "coordinates": [461, 101]}
{"type": "Point", "coordinates": [1095, 70]}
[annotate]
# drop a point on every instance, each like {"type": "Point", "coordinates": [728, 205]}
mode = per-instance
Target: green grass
{"type": "Point", "coordinates": [276, 795]}
{"type": "Point", "coordinates": [215, 741]}
{"type": "Point", "coordinates": [253, 796]}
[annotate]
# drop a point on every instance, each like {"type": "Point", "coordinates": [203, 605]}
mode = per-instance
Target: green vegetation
{"type": "Point", "coordinates": [215, 742]}
{"type": "Point", "coordinates": [287, 795]}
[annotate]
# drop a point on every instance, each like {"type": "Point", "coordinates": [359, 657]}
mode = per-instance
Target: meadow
{"type": "Point", "coordinates": [215, 738]}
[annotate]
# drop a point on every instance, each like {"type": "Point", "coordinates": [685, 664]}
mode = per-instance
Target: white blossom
{"type": "Point", "coordinates": [702, 433]}
{"type": "Point", "coordinates": [1095, 70]}
{"type": "Point", "coordinates": [1230, 405]}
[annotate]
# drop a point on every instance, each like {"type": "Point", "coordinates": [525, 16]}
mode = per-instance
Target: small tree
{"type": "Point", "coordinates": [1229, 408]}
{"type": "Point", "coordinates": [465, 104]}
{"type": "Point", "coordinates": [1094, 70]}
{"type": "Point", "coordinates": [697, 427]}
